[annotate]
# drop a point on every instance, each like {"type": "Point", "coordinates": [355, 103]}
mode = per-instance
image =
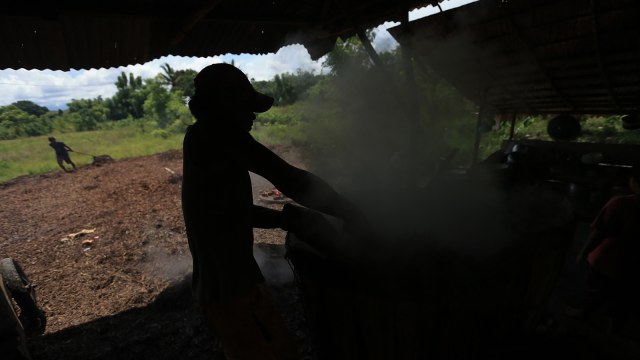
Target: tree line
{"type": "Point", "coordinates": [158, 103]}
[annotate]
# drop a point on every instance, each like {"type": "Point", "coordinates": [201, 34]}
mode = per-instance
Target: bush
{"type": "Point", "coordinates": [161, 133]}
{"type": "Point", "coordinates": [287, 116]}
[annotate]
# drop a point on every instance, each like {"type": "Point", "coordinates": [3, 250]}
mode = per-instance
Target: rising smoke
{"type": "Point", "coordinates": [386, 154]}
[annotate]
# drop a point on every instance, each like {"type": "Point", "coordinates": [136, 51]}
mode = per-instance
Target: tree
{"type": "Point", "coordinates": [31, 108]}
{"type": "Point", "coordinates": [349, 54]}
{"type": "Point", "coordinates": [15, 123]}
{"type": "Point", "coordinates": [155, 106]}
{"type": "Point", "coordinates": [179, 112]}
{"type": "Point", "coordinates": [129, 99]}
{"type": "Point", "coordinates": [288, 88]}
{"type": "Point", "coordinates": [89, 113]}
{"type": "Point", "coordinates": [184, 82]}
{"type": "Point", "coordinates": [178, 80]}
{"type": "Point", "coordinates": [168, 76]}
{"type": "Point", "coordinates": [284, 89]}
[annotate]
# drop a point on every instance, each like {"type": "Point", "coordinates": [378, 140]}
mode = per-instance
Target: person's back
{"type": "Point", "coordinates": [219, 214]}
{"type": "Point", "coordinates": [59, 148]}
{"type": "Point", "coordinates": [217, 202]}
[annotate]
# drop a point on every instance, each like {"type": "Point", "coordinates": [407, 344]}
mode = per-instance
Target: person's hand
{"type": "Point", "coordinates": [311, 227]}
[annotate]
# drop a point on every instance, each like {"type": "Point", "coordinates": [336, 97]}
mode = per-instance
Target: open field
{"type": "Point", "coordinates": [33, 155]}
{"type": "Point", "coordinates": [30, 156]}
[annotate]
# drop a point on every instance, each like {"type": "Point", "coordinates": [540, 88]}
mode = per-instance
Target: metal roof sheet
{"type": "Point", "coordinates": [536, 56]}
{"type": "Point", "coordinates": [74, 34]}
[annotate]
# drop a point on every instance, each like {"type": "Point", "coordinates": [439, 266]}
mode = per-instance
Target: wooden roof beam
{"type": "Point", "coordinates": [193, 20]}
{"type": "Point", "coordinates": [503, 88]}
{"type": "Point", "coordinates": [528, 46]}
{"type": "Point", "coordinates": [601, 66]}
{"type": "Point", "coordinates": [256, 21]}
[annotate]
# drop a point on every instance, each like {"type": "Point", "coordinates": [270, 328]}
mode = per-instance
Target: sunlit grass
{"type": "Point", "coordinates": [595, 129]}
{"type": "Point", "coordinates": [33, 155]}
{"type": "Point", "coordinates": [29, 156]}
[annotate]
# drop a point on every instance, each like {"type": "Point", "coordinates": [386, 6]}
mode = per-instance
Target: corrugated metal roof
{"type": "Point", "coordinates": [73, 34]}
{"type": "Point", "coordinates": [536, 56]}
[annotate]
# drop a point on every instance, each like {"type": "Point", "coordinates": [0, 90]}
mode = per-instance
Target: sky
{"type": "Point", "coordinates": [54, 89]}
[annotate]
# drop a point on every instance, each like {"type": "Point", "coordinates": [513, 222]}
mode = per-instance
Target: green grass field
{"type": "Point", "coordinates": [29, 156]}
{"type": "Point", "coordinates": [284, 125]}
{"type": "Point", "coordinates": [33, 155]}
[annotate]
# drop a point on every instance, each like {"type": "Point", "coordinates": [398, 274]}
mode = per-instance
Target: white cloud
{"type": "Point", "coordinates": [54, 89]}
{"type": "Point", "coordinates": [385, 42]}
{"type": "Point", "coordinates": [288, 59]}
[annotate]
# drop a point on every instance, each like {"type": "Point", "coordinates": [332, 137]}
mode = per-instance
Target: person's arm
{"type": "Point", "coordinates": [67, 147]}
{"type": "Point", "coordinates": [266, 218]}
{"type": "Point", "coordinates": [302, 186]}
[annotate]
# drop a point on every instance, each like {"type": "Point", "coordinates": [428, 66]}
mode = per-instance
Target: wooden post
{"type": "Point", "coordinates": [369, 48]}
{"type": "Point", "coordinates": [513, 126]}
{"type": "Point", "coordinates": [408, 105]}
{"type": "Point", "coordinates": [413, 108]}
{"type": "Point", "coordinates": [476, 145]}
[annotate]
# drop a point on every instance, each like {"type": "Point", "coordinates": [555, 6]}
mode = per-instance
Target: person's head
{"type": "Point", "coordinates": [222, 89]}
{"type": "Point", "coordinates": [634, 180]}
{"type": "Point", "coordinates": [52, 139]}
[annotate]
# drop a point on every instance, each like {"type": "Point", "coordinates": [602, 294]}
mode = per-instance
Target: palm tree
{"type": "Point", "coordinates": [169, 76]}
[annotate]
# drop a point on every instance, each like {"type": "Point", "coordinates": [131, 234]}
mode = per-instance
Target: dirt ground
{"type": "Point", "coordinates": [107, 250]}
{"type": "Point", "coordinates": [106, 247]}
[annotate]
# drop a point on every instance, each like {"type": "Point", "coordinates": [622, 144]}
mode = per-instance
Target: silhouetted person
{"type": "Point", "coordinates": [612, 253]}
{"type": "Point", "coordinates": [62, 153]}
{"type": "Point", "coordinates": [220, 215]}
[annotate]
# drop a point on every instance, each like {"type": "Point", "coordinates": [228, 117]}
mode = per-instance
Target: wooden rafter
{"type": "Point", "coordinates": [192, 20]}
{"type": "Point", "coordinates": [528, 47]}
{"type": "Point", "coordinates": [601, 66]}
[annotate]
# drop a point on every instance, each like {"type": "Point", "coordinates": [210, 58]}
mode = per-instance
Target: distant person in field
{"type": "Point", "coordinates": [612, 253]}
{"type": "Point", "coordinates": [220, 215]}
{"type": "Point", "coordinates": [62, 153]}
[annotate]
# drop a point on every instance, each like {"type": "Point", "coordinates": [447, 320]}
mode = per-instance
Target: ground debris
{"type": "Point", "coordinates": [80, 233]}
{"type": "Point", "coordinates": [106, 303]}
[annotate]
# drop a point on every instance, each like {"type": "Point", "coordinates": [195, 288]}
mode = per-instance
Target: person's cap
{"type": "Point", "coordinates": [225, 81]}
